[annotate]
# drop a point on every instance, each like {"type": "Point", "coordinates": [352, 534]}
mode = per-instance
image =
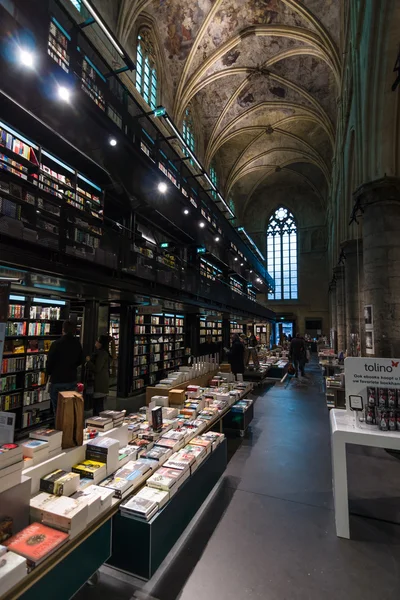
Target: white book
{"type": "Point", "coordinates": [93, 499]}
{"type": "Point", "coordinates": [12, 569]}
{"type": "Point", "coordinates": [31, 447]}
{"type": "Point", "coordinates": [11, 476]}
{"type": "Point", "coordinates": [159, 496]}
{"type": "Point", "coordinates": [67, 514]}
{"type": "Point", "coordinates": [37, 504]}
{"type": "Point", "coordinates": [52, 436]}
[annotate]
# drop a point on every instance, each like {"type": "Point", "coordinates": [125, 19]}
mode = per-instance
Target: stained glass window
{"type": "Point", "coordinates": [77, 4]}
{"type": "Point", "coordinates": [214, 179]}
{"type": "Point", "coordinates": [146, 75]}
{"type": "Point", "coordinates": [187, 131]}
{"type": "Point", "coordinates": [282, 254]}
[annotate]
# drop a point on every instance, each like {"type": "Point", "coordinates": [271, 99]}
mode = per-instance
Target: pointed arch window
{"type": "Point", "coordinates": [214, 179]}
{"type": "Point", "coordinates": [282, 254]}
{"type": "Point", "coordinates": [146, 74]}
{"type": "Point", "coordinates": [187, 131]}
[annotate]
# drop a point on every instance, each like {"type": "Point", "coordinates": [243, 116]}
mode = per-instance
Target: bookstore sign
{"type": "Point", "coordinates": [365, 374]}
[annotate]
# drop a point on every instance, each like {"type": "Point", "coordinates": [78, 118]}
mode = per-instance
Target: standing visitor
{"type": "Point", "coordinates": [298, 354]}
{"type": "Point", "coordinates": [98, 366]}
{"type": "Point", "coordinates": [236, 355]}
{"type": "Point", "coordinates": [64, 358]}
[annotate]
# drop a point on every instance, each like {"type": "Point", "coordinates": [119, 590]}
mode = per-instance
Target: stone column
{"type": "Point", "coordinates": [333, 313]}
{"type": "Point", "coordinates": [380, 203]}
{"type": "Point", "coordinates": [340, 308]}
{"type": "Point", "coordinates": [354, 280]}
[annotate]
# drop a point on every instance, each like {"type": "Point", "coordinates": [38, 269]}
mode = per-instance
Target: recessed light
{"type": "Point", "coordinates": [113, 142]}
{"type": "Point", "coordinates": [26, 58]}
{"type": "Point", "coordinates": [186, 211]}
{"type": "Point", "coordinates": [241, 264]}
{"type": "Point", "coordinates": [235, 258]}
{"type": "Point", "coordinates": [217, 239]}
{"type": "Point", "coordinates": [202, 224]}
{"type": "Point", "coordinates": [64, 93]}
{"type": "Point", "coordinates": [162, 187]}
{"type": "Point", "coordinates": [251, 271]}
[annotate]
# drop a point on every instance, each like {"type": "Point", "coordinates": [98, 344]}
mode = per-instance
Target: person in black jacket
{"type": "Point", "coordinates": [298, 354]}
{"type": "Point", "coordinates": [236, 355]}
{"type": "Point", "coordinates": [64, 358]}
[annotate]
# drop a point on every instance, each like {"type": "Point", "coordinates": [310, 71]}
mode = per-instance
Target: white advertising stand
{"type": "Point", "coordinates": [347, 428]}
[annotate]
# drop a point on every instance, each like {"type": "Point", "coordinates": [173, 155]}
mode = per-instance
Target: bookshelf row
{"type": "Point", "coordinates": [159, 347]}
{"type": "Point", "coordinates": [210, 328]}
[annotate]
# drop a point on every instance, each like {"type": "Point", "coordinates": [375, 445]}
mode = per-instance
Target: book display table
{"type": "Point", "coordinates": [139, 547]}
{"type": "Point", "coordinates": [238, 421]}
{"type": "Point", "coordinates": [345, 431]}
{"type": "Point", "coordinates": [201, 380]}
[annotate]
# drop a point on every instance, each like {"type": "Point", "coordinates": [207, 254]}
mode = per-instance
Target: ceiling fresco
{"type": "Point", "coordinates": [262, 79]}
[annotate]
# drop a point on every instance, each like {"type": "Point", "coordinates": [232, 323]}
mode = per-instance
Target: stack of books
{"type": "Point", "coordinates": [105, 450]}
{"type": "Point", "coordinates": [36, 542]}
{"type": "Point", "coordinates": [183, 462]}
{"type": "Point", "coordinates": [167, 479]}
{"type": "Point", "coordinates": [13, 569]}
{"type": "Point", "coordinates": [119, 486]}
{"type": "Point", "coordinates": [117, 416]}
{"type": "Point", "coordinates": [98, 500]}
{"type": "Point", "coordinates": [100, 423]}
{"type": "Point", "coordinates": [203, 442]}
{"type": "Point", "coordinates": [214, 437]}
{"type": "Point", "coordinates": [11, 464]}
{"type": "Point", "coordinates": [125, 454]}
{"type": "Point", "coordinates": [52, 436]}
{"type": "Point", "coordinates": [60, 483]}
{"type": "Point", "coordinates": [67, 514]}
{"type": "Point", "coordinates": [158, 453]}
{"type": "Point", "coordinates": [91, 469]}
{"type": "Point", "coordinates": [145, 504]}
{"type": "Point", "coordinates": [35, 451]}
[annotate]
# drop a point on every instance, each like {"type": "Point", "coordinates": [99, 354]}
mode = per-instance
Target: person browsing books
{"type": "Point", "coordinates": [64, 358]}
{"type": "Point", "coordinates": [98, 366]}
{"type": "Point", "coordinates": [298, 354]}
{"type": "Point", "coordinates": [236, 355]}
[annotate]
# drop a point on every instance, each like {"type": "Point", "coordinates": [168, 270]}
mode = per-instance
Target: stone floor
{"type": "Point", "coordinates": [269, 530]}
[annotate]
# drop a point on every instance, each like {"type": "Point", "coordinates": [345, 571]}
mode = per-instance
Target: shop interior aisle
{"type": "Point", "coordinates": [269, 530]}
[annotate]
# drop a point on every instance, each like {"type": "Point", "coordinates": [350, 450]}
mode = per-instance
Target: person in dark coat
{"type": "Point", "coordinates": [236, 355]}
{"type": "Point", "coordinates": [98, 366]}
{"type": "Point", "coordinates": [64, 358]}
{"type": "Point", "coordinates": [298, 354]}
{"type": "Point", "coordinates": [208, 347]}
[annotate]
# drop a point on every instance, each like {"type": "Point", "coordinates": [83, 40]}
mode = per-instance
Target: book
{"type": "Point", "coordinates": [9, 454]}
{"type": "Point", "coordinates": [30, 447]}
{"type": "Point", "coordinates": [100, 423]}
{"type": "Point", "coordinates": [13, 568]}
{"type": "Point", "coordinates": [180, 462]}
{"type": "Point", "coordinates": [36, 542]}
{"type": "Point", "coordinates": [172, 444]}
{"type": "Point", "coordinates": [164, 478]}
{"type": "Point", "coordinates": [154, 494]}
{"type": "Point", "coordinates": [60, 483]}
{"type": "Point", "coordinates": [11, 475]}
{"type": "Point", "coordinates": [53, 436]}
{"type": "Point", "coordinates": [93, 500]}
{"type": "Point", "coordinates": [158, 453]}
{"type": "Point", "coordinates": [134, 471]}
{"type": "Point", "coordinates": [67, 514]}
{"type": "Point", "coordinates": [140, 507]}
{"type": "Point", "coordinates": [203, 442]}
{"type": "Point", "coordinates": [91, 469]}
{"type": "Point", "coordinates": [120, 486]}
{"type": "Point", "coordinates": [37, 504]}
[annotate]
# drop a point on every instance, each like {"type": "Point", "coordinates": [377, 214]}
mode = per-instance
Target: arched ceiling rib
{"type": "Point", "coordinates": [246, 67]}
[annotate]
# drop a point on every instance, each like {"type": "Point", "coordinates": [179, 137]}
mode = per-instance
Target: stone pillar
{"type": "Point", "coordinates": [380, 203]}
{"type": "Point", "coordinates": [354, 280]}
{"type": "Point", "coordinates": [340, 308]}
{"type": "Point", "coordinates": [333, 314]}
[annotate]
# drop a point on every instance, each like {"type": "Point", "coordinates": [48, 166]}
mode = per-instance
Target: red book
{"type": "Point", "coordinates": [36, 542]}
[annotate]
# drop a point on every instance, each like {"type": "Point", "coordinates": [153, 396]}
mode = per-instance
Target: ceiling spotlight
{"type": "Point", "coordinates": [64, 93]}
{"type": "Point", "coordinates": [258, 280]}
{"type": "Point", "coordinates": [241, 264]}
{"type": "Point", "coordinates": [162, 187]}
{"type": "Point", "coordinates": [235, 258]}
{"type": "Point", "coordinates": [251, 271]}
{"type": "Point", "coordinates": [112, 142]}
{"type": "Point", "coordinates": [26, 58]}
{"type": "Point", "coordinates": [186, 211]}
{"type": "Point", "coordinates": [217, 239]}
{"type": "Point", "coordinates": [202, 224]}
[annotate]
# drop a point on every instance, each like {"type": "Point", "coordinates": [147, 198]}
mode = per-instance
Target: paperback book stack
{"type": "Point", "coordinates": [35, 452]}
{"type": "Point", "coordinates": [128, 478]}
{"type": "Point", "coordinates": [98, 500]}
{"type": "Point", "coordinates": [100, 423]}
{"type": "Point", "coordinates": [52, 436]}
{"type": "Point", "coordinates": [91, 469]}
{"type": "Point", "coordinates": [105, 450]}
{"type": "Point", "coordinates": [12, 569]}
{"type": "Point", "coordinates": [125, 454]}
{"type": "Point", "coordinates": [11, 465]}
{"type": "Point", "coordinates": [60, 483]}
{"type": "Point", "coordinates": [117, 416]}
{"type": "Point", "coordinates": [67, 514]}
{"type": "Point", "coordinates": [167, 479]}
{"type": "Point", "coordinates": [36, 542]}
{"type": "Point", "coordinates": [145, 504]}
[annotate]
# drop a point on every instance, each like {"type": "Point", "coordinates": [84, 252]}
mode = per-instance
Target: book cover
{"type": "Point", "coordinates": [155, 495]}
{"type": "Point", "coordinates": [164, 478]}
{"type": "Point", "coordinates": [141, 506]}
{"type": "Point", "coordinates": [60, 482]}
{"type": "Point", "coordinates": [65, 513]}
{"type": "Point", "coordinates": [98, 422]}
{"type": "Point", "coordinates": [45, 434]}
{"type": "Point", "coordinates": [32, 446]}
{"type": "Point", "coordinates": [36, 542]}
{"type": "Point", "coordinates": [89, 468]}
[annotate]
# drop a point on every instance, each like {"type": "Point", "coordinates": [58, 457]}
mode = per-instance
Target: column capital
{"type": "Point", "coordinates": [352, 246]}
{"type": "Point", "coordinates": [385, 189]}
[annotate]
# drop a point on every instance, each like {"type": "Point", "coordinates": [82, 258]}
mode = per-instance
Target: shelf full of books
{"type": "Point", "coordinates": [236, 327]}
{"type": "Point", "coordinates": [33, 324]}
{"type": "Point", "coordinates": [159, 347]}
{"type": "Point", "coordinates": [44, 200]}
{"type": "Point", "coordinates": [211, 328]}
{"type": "Point", "coordinates": [262, 332]}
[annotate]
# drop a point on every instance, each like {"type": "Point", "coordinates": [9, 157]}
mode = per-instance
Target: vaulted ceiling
{"type": "Point", "coordinates": [262, 78]}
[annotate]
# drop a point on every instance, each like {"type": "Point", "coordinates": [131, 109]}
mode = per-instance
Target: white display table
{"type": "Point", "coordinates": [345, 431]}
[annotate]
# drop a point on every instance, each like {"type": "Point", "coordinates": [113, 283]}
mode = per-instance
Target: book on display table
{"type": "Point", "coordinates": [36, 542]}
